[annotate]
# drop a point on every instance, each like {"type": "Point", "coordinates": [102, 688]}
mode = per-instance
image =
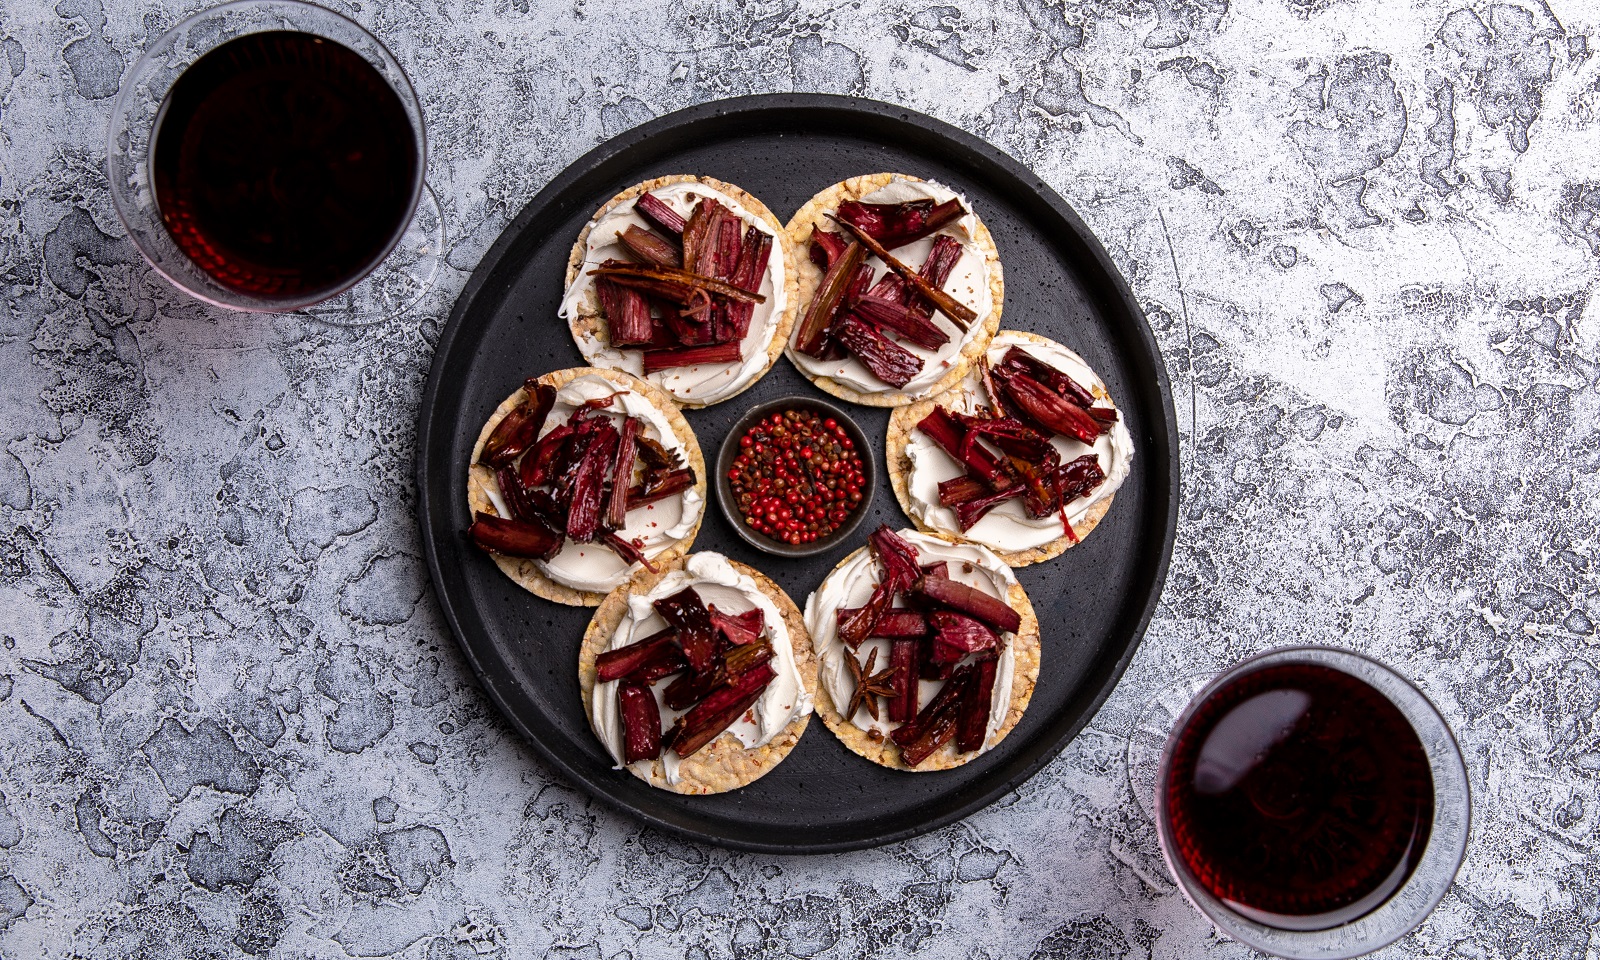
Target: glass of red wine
{"type": "Point", "coordinates": [1313, 804]}
{"type": "Point", "coordinates": [269, 156]}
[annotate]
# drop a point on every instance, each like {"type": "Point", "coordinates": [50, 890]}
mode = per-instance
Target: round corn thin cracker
{"type": "Point", "coordinates": [905, 419]}
{"type": "Point", "coordinates": [813, 215]}
{"type": "Point", "coordinates": [725, 763]}
{"type": "Point", "coordinates": [526, 572]}
{"type": "Point", "coordinates": [591, 322]}
{"type": "Point", "coordinates": [1025, 647]}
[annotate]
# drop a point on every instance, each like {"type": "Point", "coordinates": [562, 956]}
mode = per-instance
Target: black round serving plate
{"type": "Point", "coordinates": [1093, 602]}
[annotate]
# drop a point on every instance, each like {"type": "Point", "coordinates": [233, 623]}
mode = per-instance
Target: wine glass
{"type": "Point", "coordinates": [1312, 804]}
{"type": "Point", "coordinates": [355, 250]}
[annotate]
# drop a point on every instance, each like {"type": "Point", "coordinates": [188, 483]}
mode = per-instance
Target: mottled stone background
{"type": "Point", "coordinates": [1367, 233]}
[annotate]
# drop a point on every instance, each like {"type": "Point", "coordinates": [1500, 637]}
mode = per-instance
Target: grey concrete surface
{"type": "Point", "coordinates": [1366, 232]}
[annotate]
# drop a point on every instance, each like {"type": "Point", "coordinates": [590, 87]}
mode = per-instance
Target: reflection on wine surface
{"type": "Point", "coordinates": [1299, 795]}
{"type": "Point", "coordinates": [284, 164]}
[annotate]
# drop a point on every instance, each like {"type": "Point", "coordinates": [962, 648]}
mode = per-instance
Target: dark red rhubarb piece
{"type": "Point", "coordinates": [897, 557]}
{"type": "Point", "coordinates": [1024, 362]}
{"type": "Point", "coordinates": [659, 487]}
{"type": "Point", "coordinates": [717, 712]}
{"type": "Point", "coordinates": [686, 614]}
{"type": "Point", "coordinates": [888, 361]}
{"type": "Point", "coordinates": [631, 551]}
{"type": "Point", "coordinates": [1105, 416]}
{"type": "Point", "coordinates": [901, 319]}
{"type": "Point", "coordinates": [739, 629]}
{"type": "Point", "coordinates": [636, 660]}
{"type": "Point", "coordinates": [659, 214]}
{"type": "Point", "coordinates": [893, 625]}
{"type": "Point", "coordinates": [641, 722]}
{"type": "Point", "coordinates": [830, 292]}
{"type": "Point", "coordinates": [956, 636]}
{"type": "Point", "coordinates": [971, 498]}
{"type": "Point", "coordinates": [688, 356]}
{"type": "Point", "coordinates": [898, 561]}
{"type": "Point", "coordinates": [691, 688]}
{"type": "Point", "coordinates": [700, 236]}
{"type": "Point", "coordinates": [586, 493]}
{"type": "Point", "coordinates": [627, 314]}
{"type": "Point", "coordinates": [622, 475]}
{"type": "Point", "coordinates": [511, 492]}
{"type": "Point", "coordinates": [959, 313]}
{"type": "Point", "coordinates": [941, 262]}
{"type": "Point", "coordinates": [936, 724]}
{"type": "Point", "coordinates": [897, 224]}
{"type": "Point", "coordinates": [543, 461]}
{"type": "Point", "coordinates": [950, 435]}
{"type": "Point", "coordinates": [646, 247]}
{"type": "Point", "coordinates": [514, 538]}
{"type": "Point", "coordinates": [975, 706]}
{"type": "Point", "coordinates": [826, 247]}
{"type": "Point", "coordinates": [1079, 477]}
{"type": "Point", "coordinates": [1049, 409]}
{"type": "Point", "coordinates": [520, 428]}
{"type": "Point", "coordinates": [903, 656]}
{"type": "Point", "coordinates": [754, 256]}
{"type": "Point", "coordinates": [970, 601]}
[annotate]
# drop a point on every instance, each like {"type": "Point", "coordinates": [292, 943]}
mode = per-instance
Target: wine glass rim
{"type": "Point", "coordinates": [400, 83]}
{"type": "Point", "coordinates": [1447, 755]}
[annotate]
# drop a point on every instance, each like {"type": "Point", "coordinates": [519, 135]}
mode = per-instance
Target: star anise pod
{"type": "Point", "coordinates": [869, 686]}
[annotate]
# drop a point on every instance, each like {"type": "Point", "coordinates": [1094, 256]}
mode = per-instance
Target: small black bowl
{"type": "Point", "coordinates": [730, 450]}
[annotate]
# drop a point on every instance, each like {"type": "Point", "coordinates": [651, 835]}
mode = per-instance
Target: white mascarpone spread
{"type": "Point", "coordinates": [702, 383]}
{"type": "Point", "coordinates": [731, 592]}
{"type": "Point", "coordinates": [660, 525]}
{"type": "Point", "coordinates": [1008, 526]}
{"type": "Point", "coordinates": [968, 283]}
{"type": "Point", "coordinates": [851, 586]}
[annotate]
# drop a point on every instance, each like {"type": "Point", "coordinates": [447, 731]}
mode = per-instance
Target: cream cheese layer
{"type": "Point", "coordinates": [1008, 527]}
{"type": "Point", "coordinates": [732, 592]}
{"type": "Point", "coordinates": [968, 283]}
{"type": "Point", "coordinates": [851, 584]}
{"type": "Point", "coordinates": [701, 383]}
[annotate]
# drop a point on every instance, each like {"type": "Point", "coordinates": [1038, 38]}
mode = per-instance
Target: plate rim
{"type": "Point", "coordinates": [549, 196]}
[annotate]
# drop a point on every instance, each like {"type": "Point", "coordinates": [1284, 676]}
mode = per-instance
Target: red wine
{"type": "Point", "coordinates": [1300, 794]}
{"type": "Point", "coordinates": [284, 164]}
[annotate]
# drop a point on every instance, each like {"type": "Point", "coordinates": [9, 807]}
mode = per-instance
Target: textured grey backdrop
{"type": "Point", "coordinates": [1367, 233]}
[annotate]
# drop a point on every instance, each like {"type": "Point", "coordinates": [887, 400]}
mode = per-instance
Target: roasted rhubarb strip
{"type": "Point", "coordinates": [520, 428]}
{"type": "Point", "coordinates": [888, 361]}
{"type": "Point", "coordinates": [586, 494]}
{"type": "Point", "coordinates": [627, 314]}
{"type": "Point", "coordinates": [941, 262]}
{"type": "Point", "coordinates": [514, 538]}
{"type": "Point", "coordinates": [975, 706]}
{"type": "Point", "coordinates": [1079, 477]}
{"type": "Point", "coordinates": [631, 551]}
{"type": "Point", "coordinates": [622, 475]}
{"type": "Point", "coordinates": [970, 601]}
{"type": "Point", "coordinates": [860, 623]}
{"type": "Point", "coordinates": [971, 498]}
{"type": "Point", "coordinates": [826, 247]}
{"type": "Point", "coordinates": [893, 625]}
{"type": "Point", "coordinates": [637, 657]}
{"type": "Point", "coordinates": [897, 557]}
{"type": "Point", "coordinates": [717, 712]}
{"type": "Point", "coordinates": [641, 722]}
{"type": "Point", "coordinates": [937, 722]}
{"type": "Point", "coordinates": [671, 283]}
{"type": "Point", "coordinates": [809, 336]}
{"type": "Point", "coordinates": [655, 454]}
{"type": "Point", "coordinates": [943, 429]}
{"type": "Point", "coordinates": [688, 356]}
{"type": "Point", "coordinates": [659, 214]}
{"type": "Point", "coordinates": [959, 313]}
{"type": "Point", "coordinates": [899, 318]}
{"type": "Point", "coordinates": [1049, 409]}
{"type": "Point", "coordinates": [939, 569]}
{"type": "Point", "coordinates": [700, 237]}
{"type": "Point", "coordinates": [511, 492]}
{"type": "Point", "coordinates": [903, 658]}
{"type": "Point", "coordinates": [646, 247]}
{"type": "Point", "coordinates": [691, 688]}
{"type": "Point", "coordinates": [897, 224]}
{"type": "Point", "coordinates": [739, 629]}
{"type": "Point", "coordinates": [1043, 495]}
{"type": "Point", "coordinates": [1106, 416]}
{"type": "Point", "coordinates": [957, 635]}
{"type": "Point", "coordinates": [664, 486]}
{"type": "Point", "coordinates": [754, 255]}
{"type": "Point", "coordinates": [686, 614]}
{"type": "Point", "coordinates": [1027, 363]}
